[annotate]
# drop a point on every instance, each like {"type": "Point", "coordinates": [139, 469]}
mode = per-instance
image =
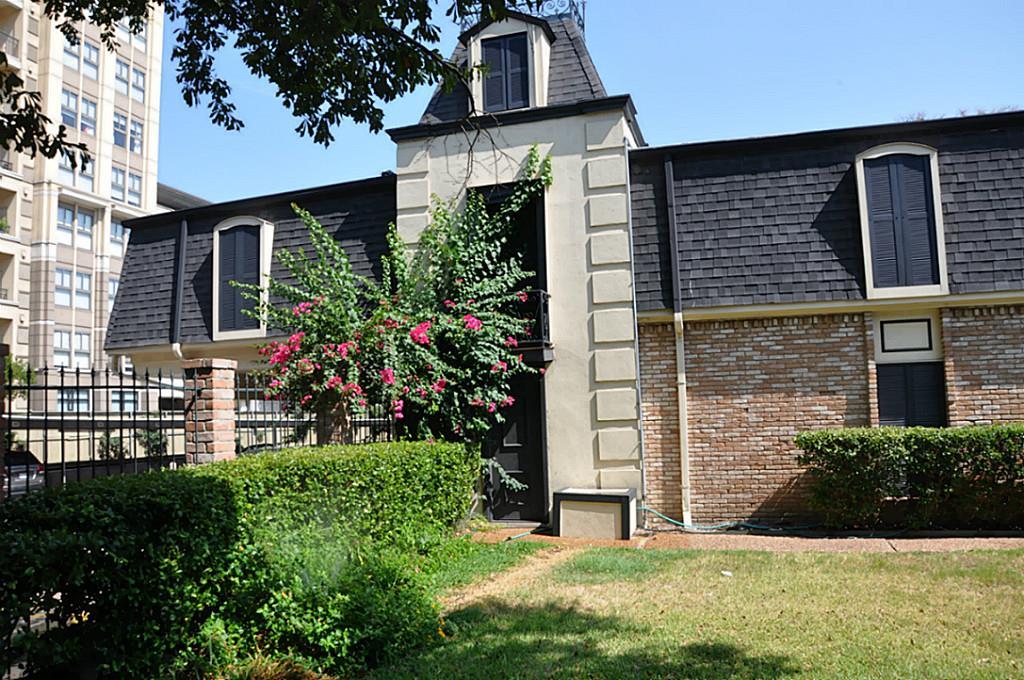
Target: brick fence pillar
{"type": "Point", "coordinates": [209, 410]}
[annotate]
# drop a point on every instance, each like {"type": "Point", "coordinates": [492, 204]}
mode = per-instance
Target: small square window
{"type": "Point", "coordinates": [138, 85]}
{"type": "Point", "coordinates": [136, 137]}
{"type": "Point", "coordinates": [82, 351]}
{"type": "Point", "coordinates": [65, 224]}
{"type": "Point", "coordinates": [134, 189]}
{"type": "Point", "coordinates": [61, 348]}
{"type": "Point", "coordinates": [73, 401]}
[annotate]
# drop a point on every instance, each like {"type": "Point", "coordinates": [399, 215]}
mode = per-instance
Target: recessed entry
{"type": "Point", "coordinates": [907, 335]}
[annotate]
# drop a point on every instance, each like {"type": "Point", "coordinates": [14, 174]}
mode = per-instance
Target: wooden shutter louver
{"type": "Point", "coordinates": [239, 261]}
{"type": "Point", "coordinates": [901, 221]}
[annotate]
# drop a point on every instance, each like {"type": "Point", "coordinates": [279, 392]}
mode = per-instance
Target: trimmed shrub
{"type": "Point", "coordinates": [968, 477]}
{"type": "Point", "coordinates": [301, 553]}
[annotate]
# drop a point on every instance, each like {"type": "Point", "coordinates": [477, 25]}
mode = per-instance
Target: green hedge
{"type": "Point", "coordinates": [299, 553]}
{"type": "Point", "coordinates": [968, 477]}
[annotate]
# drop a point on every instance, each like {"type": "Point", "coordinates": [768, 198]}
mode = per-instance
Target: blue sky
{"type": "Point", "coordinates": [697, 70]}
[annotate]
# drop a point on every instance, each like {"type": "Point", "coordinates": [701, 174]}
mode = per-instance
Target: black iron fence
{"type": "Point", "coordinates": [263, 424]}
{"type": "Point", "coordinates": [72, 424]}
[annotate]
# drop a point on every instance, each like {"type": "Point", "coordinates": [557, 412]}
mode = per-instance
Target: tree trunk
{"type": "Point", "coordinates": [333, 425]}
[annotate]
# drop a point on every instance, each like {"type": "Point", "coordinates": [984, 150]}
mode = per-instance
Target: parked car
{"type": "Point", "coordinates": [24, 472]}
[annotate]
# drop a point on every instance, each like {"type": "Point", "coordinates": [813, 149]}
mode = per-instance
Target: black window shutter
{"type": "Point", "coordinates": [516, 64]}
{"type": "Point", "coordinates": [227, 312]}
{"type": "Point", "coordinates": [494, 79]}
{"type": "Point", "coordinates": [901, 221]}
{"type": "Point", "coordinates": [892, 395]}
{"type": "Point", "coordinates": [881, 223]}
{"type": "Point", "coordinates": [926, 394]}
{"type": "Point", "coordinates": [912, 394]}
{"type": "Point", "coordinates": [239, 261]}
{"type": "Point", "coordinates": [920, 258]}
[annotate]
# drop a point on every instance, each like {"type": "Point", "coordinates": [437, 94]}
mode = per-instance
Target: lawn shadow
{"type": "Point", "coordinates": [493, 640]}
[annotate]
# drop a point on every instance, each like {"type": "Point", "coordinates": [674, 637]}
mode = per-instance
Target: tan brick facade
{"type": "Point", "coordinates": [984, 364]}
{"type": "Point", "coordinates": [752, 385]}
{"type": "Point", "coordinates": [660, 405]}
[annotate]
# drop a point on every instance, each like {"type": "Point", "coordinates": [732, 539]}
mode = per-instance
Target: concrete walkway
{"type": "Point", "coordinates": [743, 541]}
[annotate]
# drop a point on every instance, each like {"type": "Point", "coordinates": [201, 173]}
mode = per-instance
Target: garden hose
{"type": "Point", "coordinates": [725, 526]}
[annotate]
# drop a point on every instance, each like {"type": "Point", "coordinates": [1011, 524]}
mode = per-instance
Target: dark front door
{"type": "Point", "coordinates": [517, 444]}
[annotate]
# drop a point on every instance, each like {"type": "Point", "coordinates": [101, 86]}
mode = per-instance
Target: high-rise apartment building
{"type": "Point", "coordinates": [62, 240]}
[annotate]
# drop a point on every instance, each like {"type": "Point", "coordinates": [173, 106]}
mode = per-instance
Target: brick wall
{"type": "Point", "coordinates": [660, 408]}
{"type": "Point", "coordinates": [752, 386]}
{"type": "Point", "coordinates": [984, 363]}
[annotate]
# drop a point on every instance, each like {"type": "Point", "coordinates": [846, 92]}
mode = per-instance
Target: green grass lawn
{"type": "Point", "coordinates": [621, 613]}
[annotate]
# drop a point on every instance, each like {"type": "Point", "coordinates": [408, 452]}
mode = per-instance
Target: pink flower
{"type": "Point", "coordinates": [302, 308]}
{"type": "Point", "coordinates": [511, 342]}
{"type": "Point", "coordinates": [491, 407]}
{"type": "Point", "coordinates": [472, 323]}
{"type": "Point", "coordinates": [296, 339]}
{"type": "Point", "coordinates": [275, 383]}
{"type": "Point", "coordinates": [334, 381]}
{"type": "Point", "coordinates": [419, 333]}
{"type": "Point", "coordinates": [449, 304]}
{"type": "Point", "coordinates": [542, 371]}
{"type": "Point", "coordinates": [508, 401]}
{"type": "Point", "coordinates": [477, 401]}
{"type": "Point", "coordinates": [439, 385]}
{"type": "Point", "coordinates": [388, 376]}
{"type": "Point", "coordinates": [522, 296]}
{"type": "Point", "coordinates": [306, 399]}
{"type": "Point", "coordinates": [500, 366]}
{"type": "Point", "coordinates": [421, 391]}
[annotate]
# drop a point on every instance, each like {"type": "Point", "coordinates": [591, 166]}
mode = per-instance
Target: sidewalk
{"type": "Point", "coordinates": [744, 541]}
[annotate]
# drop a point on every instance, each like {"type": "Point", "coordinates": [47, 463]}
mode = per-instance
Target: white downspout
{"type": "Point", "coordinates": [684, 437]}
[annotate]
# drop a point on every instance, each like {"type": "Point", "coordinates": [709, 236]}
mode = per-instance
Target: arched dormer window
{"type": "Point", "coordinates": [241, 252]}
{"type": "Point", "coordinates": [901, 221]}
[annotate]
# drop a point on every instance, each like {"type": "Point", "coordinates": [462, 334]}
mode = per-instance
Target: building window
{"type": "Point", "coordinates": [138, 85]}
{"type": "Point", "coordinates": [112, 285]}
{"type": "Point", "coordinates": [122, 401]}
{"type": "Point", "coordinates": [88, 122]}
{"type": "Point", "coordinates": [73, 401]}
{"type": "Point", "coordinates": [134, 189]}
{"type": "Point", "coordinates": [120, 129]}
{"type": "Point", "coordinates": [86, 222]}
{"type": "Point", "coordinates": [65, 224]}
{"type": "Point", "coordinates": [61, 348]}
{"type": "Point", "coordinates": [84, 176]}
{"type": "Point", "coordinates": [117, 182]}
{"type": "Point", "coordinates": [69, 108]}
{"type": "Point", "coordinates": [238, 259]}
{"type": "Point", "coordinates": [71, 54]}
{"type": "Point", "coordinates": [506, 78]}
{"type": "Point", "coordinates": [121, 71]}
{"type": "Point", "coordinates": [140, 38]}
{"type": "Point", "coordinates": [136, 137]}
{"type": "Point", "coordinates": [90, 60]}
{"type": "Point", "coordinates": [83, 290]}
{"type": "Point", "coordinates": [62, 288]}
{"type": "Point", "coordinates": [912, 395]}
{"type": "Point", "coordinates": [117, 236]}
{"type": "Point", "coordinates": [82, 351]}
{"type": "Point", "coordinates": [901, 220]}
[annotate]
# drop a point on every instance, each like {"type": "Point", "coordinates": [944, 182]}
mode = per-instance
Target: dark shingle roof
{"type": "Point", "coordinates": [572, 76]}
{"type": "Point", "coordinates": [355, 213]}
{"type": "Point", "coordinates": [776, 220]}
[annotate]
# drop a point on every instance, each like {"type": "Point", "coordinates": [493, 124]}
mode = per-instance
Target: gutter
{"type": "Point", "coordinates": [636, 327]}
{"type": "Point", "coordinates": [679, 327]}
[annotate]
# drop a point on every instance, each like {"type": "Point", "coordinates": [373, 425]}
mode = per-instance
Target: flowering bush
{"type": "Point", "coordinates": [436, 339]}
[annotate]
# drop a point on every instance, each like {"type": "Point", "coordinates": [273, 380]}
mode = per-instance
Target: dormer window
{"type": "Point", "coordinates": [507, 76]}
{"type": "Point", "coordinates": [241, 253]}
{"type": "Point", "coordinates": [901, 221]}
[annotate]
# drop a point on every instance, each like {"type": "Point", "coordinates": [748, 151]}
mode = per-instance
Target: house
{"type": "Point", "coordinates": [705, 302]}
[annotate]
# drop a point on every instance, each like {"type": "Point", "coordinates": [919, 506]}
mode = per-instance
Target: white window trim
{"type": "Point", "coordinates": [942, 288]}
{"type": "Point", "coordinates": [908, 356]}
{"type": "Point", "coordinates": [538, 51]}
{"type": "Point", "coordinates": [266, 253]}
